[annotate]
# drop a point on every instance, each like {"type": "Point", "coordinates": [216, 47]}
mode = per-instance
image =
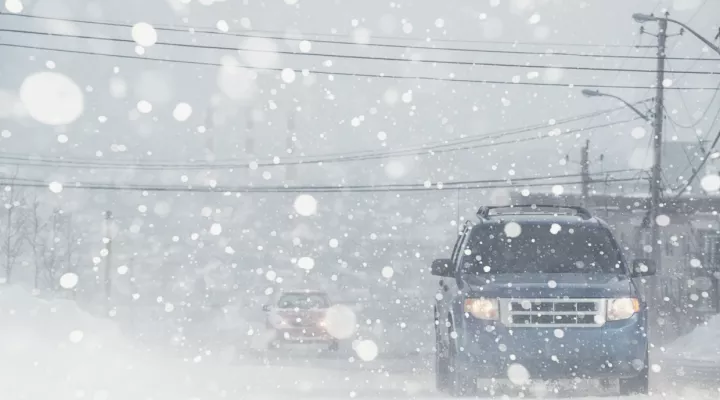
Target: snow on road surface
{"type": "Point", "coordinates": [702, 344]}
{"type": "Point", "coordinates": [50, 349]}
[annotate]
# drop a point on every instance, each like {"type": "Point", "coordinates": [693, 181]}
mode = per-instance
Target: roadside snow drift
{"type": "Point", "coordinates": [702, 344]}
{"type": "Point", "coordinates": [51, 349]}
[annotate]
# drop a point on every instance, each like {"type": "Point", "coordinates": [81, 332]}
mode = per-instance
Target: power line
{"type": "Point", "coordinates": [700, 167]}
{"type": "Point", "coordinates": [201, 29]}
{"type": "Point", "coordinates": [697, 12]}
{"type": "Point", "coordinates": [296, 189]}
{"type": "Point", "coordinates": [706, 155]}
{"type": "Point", "coordinates": [384, 45]}
{"type": "Point", "coordinates": [617, 75]}
{"type": "Point", "coordinates": [93, 164]}
{"type": "Point", "coordinates": [687, 155]}
{"type": "Point", "coordinates": [698, 57]}
{"type": "Point", "coordinates": [474, 138]}
{"type": "Point", "coordinates": [421, 39]}
{"type": "Point", "coordinates": [404, 185]}
{"type": "Point", "coordinates": [423, 146]}
{"type": "Point", "coordinates": [264, 32]}
{"type": "Point", "coordinates": [349, 56]}
{"type": "Point", "coordinates": [351, 74]}
{"type": "Point", "coordinates": [436, 39]}
{"type": "Point", "coordinates": [698, 120]}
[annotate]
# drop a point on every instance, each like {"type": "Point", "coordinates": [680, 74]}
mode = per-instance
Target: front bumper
{"type": "Point", "coordinates": [302, 335]}
{"type": "Point", "coordinates": [618, 349]}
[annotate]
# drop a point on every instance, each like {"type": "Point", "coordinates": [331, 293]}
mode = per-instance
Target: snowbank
{"type": "Point", "coordinates": [702, 344]}
{"type": "Point", "coordinates": [50, 349]}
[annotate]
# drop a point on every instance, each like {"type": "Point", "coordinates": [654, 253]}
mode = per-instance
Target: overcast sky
{"type": "Point", "coordinates": [347, 113]}
{"type": "Point", "coordinates": [122, 109]}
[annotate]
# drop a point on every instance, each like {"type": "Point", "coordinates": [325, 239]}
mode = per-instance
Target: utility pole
{"type": "Point", "coordinates": [656, 176]}
{"type": "Point", "coordinates": [108, 257]}
{"type": "Point", "coordinates": [585, 171]}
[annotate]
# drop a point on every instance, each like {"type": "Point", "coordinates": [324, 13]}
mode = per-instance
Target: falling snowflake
{"type": "Point", "coordinates": [69, 280]}
{"type": "Point", "coordinates": [305, 205]}
{"type": "Point", "coordinates": [182, 112]}
{"type": "Point", "coordinates": [662, 220]}
{"type": "Point", "coordinates": [76, 336]}
{"type": "Point", "coordinates": [144, 34]}
{"type": "Point", "coordinates": [306, 263]}
{"type": "Point", "coordinates": [55, 187]}
{"type": "Point", "coordinates": [144, 106]}
{"type": "Point", "coordinates": [288, 75]}
{"type": "Point", "coordinates": [305, 46]}
{"type": "Point", "coordinates": [222, 25]}
{"type": "Point", "coordinates": [215, 229]}
{"type": "Point", "coordinates": [366, 350]}
{"type": "Point", "coordinates": [52, 98]}
{"type": "Point", "coordinates": [512, 229]}
{"type": "Point", "coordinates": [387, 272]}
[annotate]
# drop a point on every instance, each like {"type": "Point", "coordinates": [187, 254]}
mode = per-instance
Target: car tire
{"type": "Point", "coordinates": [442, 368]}
{"type": "Point", "coordinates": [637, 385]}
{"type": "Point", "coordinates": [334, 346]}
{"type": "Point", "coordinates": [462, 382]}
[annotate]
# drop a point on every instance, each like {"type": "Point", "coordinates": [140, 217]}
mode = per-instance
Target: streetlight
{"type": "Point", "coordinates": [597, 93]}
{"type": "Point", "coordinates": [642, 18]}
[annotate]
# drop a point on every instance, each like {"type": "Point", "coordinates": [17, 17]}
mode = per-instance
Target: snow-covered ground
{"type": "Point", "coordinates": [694, 359]}
{"type": "Point", "coordinates": [50, 349]}
{"type": "Point", "coordinates": [702, 344]}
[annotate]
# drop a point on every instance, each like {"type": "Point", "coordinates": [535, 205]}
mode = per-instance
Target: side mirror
{"type": "Point", "coordinates": [266, 307]}
{"type": "Point", "coordinates": [442, 267]}
{"type": "Point", "coordinates": [643, 267]}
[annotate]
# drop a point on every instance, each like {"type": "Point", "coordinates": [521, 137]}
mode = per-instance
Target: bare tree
{"type": "Point", "coordinates": [13, 228]}
{"type": "Point", "coordinates": [52, 245]}
{"type": "Point", "coordinates": [72, 245]}
{"type": "Point", "coordinates": [35, 239]}
{"type": "Point", "coordinates": [54, 249]}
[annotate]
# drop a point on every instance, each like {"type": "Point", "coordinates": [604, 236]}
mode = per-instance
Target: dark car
{"type": "Point", "coordinates": [542, 293]}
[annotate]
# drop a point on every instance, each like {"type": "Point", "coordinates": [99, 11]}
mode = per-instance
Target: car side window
{"type": "Point", "coordinates": [458, 244]}
{"type": "Point", "coordinates": [461, 249]}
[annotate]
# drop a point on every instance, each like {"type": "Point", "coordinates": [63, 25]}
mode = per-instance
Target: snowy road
{"type": "Point", "coordinates": [53, 350]}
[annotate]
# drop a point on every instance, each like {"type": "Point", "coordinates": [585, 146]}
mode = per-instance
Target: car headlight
{"type": "Point", "coordinates": [482, 308]}
{"type": "Point", "coordinates": [623, 308]}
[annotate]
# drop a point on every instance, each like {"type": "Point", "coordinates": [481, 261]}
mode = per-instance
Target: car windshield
{"type": "Point", "coordinates": [541, 248]}
{"type": "Point", "coordinates": [303, 301]}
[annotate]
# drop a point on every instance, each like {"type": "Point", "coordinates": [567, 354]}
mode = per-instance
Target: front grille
{"type": "Point", "coordinates": [302, 322]}
{"type": "Point", "coordinates": [553, 312]}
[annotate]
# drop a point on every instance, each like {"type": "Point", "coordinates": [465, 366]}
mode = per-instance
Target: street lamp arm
{"type": "Point", "coordinates": [699, 36]}
{"type": "Point", "coordinates": [630, 106]}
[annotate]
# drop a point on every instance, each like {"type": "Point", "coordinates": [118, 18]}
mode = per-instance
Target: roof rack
{"type": "Point", "coordinates": [485, 211]}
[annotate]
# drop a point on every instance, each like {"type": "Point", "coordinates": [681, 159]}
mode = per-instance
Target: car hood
{"type": "Point", "coordinates": [550, 285]}
{"type": "Point", "coordinates": [302, 317]}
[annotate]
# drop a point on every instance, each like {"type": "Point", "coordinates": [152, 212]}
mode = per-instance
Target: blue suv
{"type": "Point", "coordinates": [539, 293]}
